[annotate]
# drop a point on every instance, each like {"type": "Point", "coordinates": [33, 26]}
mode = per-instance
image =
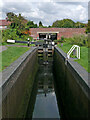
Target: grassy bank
{"type": "Point", "coordinates": [10, 55]}
{"type": "Point", "coordinates": [83, 61]}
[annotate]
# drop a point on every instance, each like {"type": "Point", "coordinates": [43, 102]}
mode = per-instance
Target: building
{"type": "Point", "coordinates": [4, 24]}
{"type": "Point", "coordinates": [55, 33]}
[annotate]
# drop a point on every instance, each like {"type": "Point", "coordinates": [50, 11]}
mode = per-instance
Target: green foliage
{"type": "Point", "coordinates": [88, 27]}
{"type": "Point", "coordinates": [62, 38]}
{"type": "Point", "coordinates": [68, 23]}
{"type": "Point", "coordinates": [66, 47]}
{"type": "Point", "coordinates": [80, 25]}
{"type": "Point", "coordinates": [0, 36]}
{"type": "Point", "coordinates": [83, 61]}
{"type": "Point", "coordinates": [18, 30]}
{"type": "Point", "coordinates": [11, 54]}
{"type": "Point", "coordinates": [49, 26]}
{"type": "Point", "coordinates": [10, 16]}
{"type": "Point", "coordinates": [31, 24]}
{"type": "Point", "coordinates": [14, 34]}
{"type": "Point", "coordinates": [17, 21]}
{"type": "Point", "coordinates": [89, 40]}
{"type": "Point", "coordinates": [81, 40]}
{"type": "Point", "coordinates": [40, 24]}
{"type": "Point", "coordinates": [65, 23]}
{"type": "Point", "coordinates": [57, 41]}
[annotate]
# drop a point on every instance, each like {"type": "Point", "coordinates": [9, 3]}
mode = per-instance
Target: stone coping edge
{"type": "Point", "coordinates": [9, 71]}
{"type": "Point", "coordinates": [81, 75]}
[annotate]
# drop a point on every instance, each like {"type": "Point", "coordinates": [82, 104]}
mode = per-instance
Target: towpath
{"type": "Point", "coordinates": [2, 48]}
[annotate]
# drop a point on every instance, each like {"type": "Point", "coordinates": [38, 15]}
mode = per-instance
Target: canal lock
{"type": "Point", "coordinates": [54, 90]}
{"type": "Point", "coordinates": [45, 101]}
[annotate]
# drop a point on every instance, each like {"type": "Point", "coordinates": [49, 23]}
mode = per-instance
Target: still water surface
{"type": "Point", "coordinates": [44, 102]}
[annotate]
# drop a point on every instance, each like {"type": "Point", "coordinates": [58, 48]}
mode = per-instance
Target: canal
{"type": "Point", "coordinates": [46, 88]}
{"type": "Point", "coordinates": [53, 94]}
{"type": "Point", "coordinates": [43, 102]}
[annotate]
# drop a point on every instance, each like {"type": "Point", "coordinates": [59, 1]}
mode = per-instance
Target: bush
{"type": "Point", "coordinates": [62, 38]}
{"type": "Point", "coordinates": [13, 34]}
{"type": "Point", "coordinates": [56, 41]}
{"type": "Point", "coordinates": [81, 40]}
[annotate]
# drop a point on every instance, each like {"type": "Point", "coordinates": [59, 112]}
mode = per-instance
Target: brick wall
{"type": "Point", "coordinates": [66, 32]}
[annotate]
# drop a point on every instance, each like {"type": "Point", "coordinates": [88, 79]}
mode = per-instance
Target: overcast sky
{"type": "Point", "coordinates": [47, 11]}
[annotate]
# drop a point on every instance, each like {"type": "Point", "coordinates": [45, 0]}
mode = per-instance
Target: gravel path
{"type": "Point", "coordinates": [17, 45]}
{"type": "Point", "coordinates": [2, 48]}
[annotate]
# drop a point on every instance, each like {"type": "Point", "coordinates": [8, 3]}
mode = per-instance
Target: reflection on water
{"type": "Point", "coordinates": [45, 104]}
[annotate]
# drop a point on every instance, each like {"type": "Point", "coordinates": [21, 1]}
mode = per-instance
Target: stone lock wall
{"type": "Point", "coordinates": [17, 87]}
{"type": "Point", "coordinates": [74, 90]}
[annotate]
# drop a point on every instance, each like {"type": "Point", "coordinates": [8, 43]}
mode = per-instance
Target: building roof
{"type": "Point", "coordinates": [4, 22]}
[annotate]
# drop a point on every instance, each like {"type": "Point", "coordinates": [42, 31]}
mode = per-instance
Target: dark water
{"type": "Point", "coordinates": [43, 103]}
{"type": "Point", "coordinates": [56, 93]}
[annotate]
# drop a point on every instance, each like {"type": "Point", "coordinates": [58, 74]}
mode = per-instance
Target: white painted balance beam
{"type": "Point", "coordinates": [11, 41]}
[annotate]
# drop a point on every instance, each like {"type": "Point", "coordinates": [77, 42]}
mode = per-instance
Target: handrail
{"type": "Point", "coordinates": [71, 50]}
{"type": "Point", "coordinates": [73, 47]}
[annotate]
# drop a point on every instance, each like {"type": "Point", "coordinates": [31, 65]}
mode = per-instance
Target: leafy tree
{"type": "Point", "coordinates": [65, 23]}
{"type": "Point", "coordinates": [68, 23]}
{"type": "Point", "coordinates": [80, 25]}
{"type": "Point", "coordinates": [49, 26]}
{"type": "Point", "coordinates": [88, 27]}
{"type": "Point", "coordinates": [40, 24]}
{"type": "Point", "coordinates": [18, 28]}
{"type": "Point", "coordinates": [31, 24]}
{"type": "Point", "coordinates": [17, 22]}
{"type": "Point", "coordinates": [10, 16]}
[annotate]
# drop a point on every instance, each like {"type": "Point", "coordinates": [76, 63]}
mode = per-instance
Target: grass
{"type": "Point", "coordinates": [65, 47]}
{"type": "Point", "coordinates": [10, 55]}
{"type": "Point", "coordinates": [83, 61]}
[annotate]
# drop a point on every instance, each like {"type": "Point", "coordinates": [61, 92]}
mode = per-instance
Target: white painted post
{"type": "Point", "coordinates": [46, 36]}
{"type": "Point", "coordinates": [79, 53]}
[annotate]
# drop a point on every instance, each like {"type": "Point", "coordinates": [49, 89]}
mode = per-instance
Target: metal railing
{"type": "Point", "coordinates": [72, 49]}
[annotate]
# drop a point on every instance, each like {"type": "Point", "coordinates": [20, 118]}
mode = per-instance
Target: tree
{"type": "Point", "coordinates": [31, 24]}
{"type": "Point", "coordinates": [68, 23]}
{"type": "Point", "coordinates": [65, 23]}
{"type": "Point", "coordinates": [18, 27]}
{"type": "Point", "coordinates": [49, 26]}
{"type": "Point", "coordinates": [10, 16]}
{"type": "Point", "coordinates": [17, 21]}
{"type": "Point", "coordinates": [88, 27]}
{"type": "Point", "coordinates": [80, 25]}
{"type": "Point", "coordinates": [40, 24]}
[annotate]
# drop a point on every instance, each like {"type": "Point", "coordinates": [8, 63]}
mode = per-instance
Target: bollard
{"type": "Point", "coordinates": [28, 41]}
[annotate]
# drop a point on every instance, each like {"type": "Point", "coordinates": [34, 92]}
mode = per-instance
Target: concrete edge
{"type": "Point", "coordinates": [62, 54]}
{"type": "Point", "coordinates": [79, 72]}
{"type": "Point", "coordinates": [9, 71]}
